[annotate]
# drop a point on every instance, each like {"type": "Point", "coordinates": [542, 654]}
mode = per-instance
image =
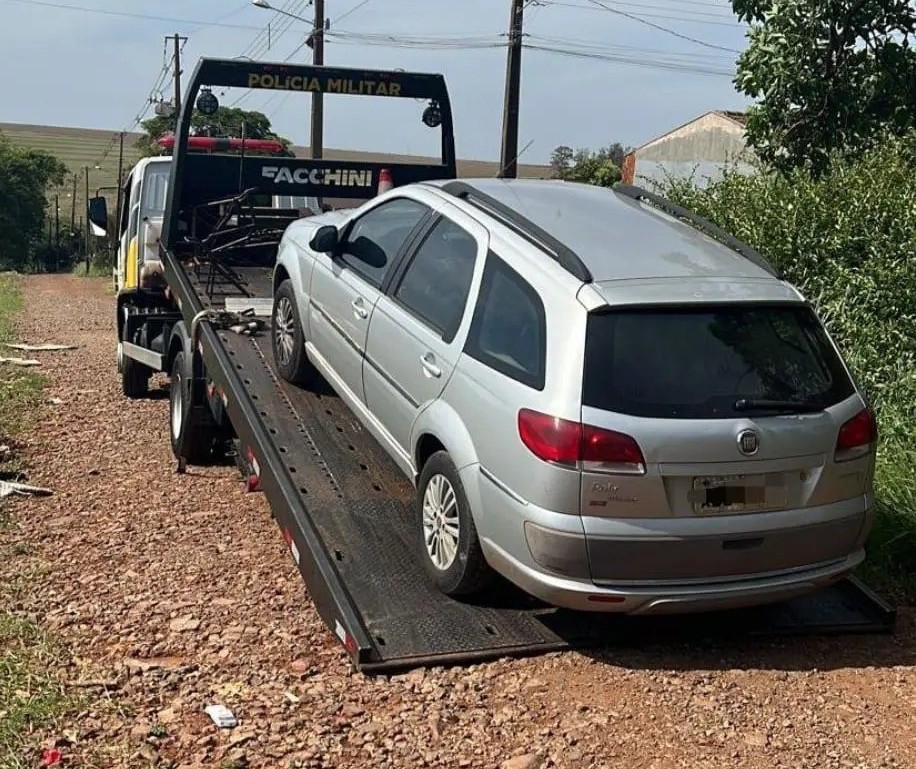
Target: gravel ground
{"type": "Point", "coordinates": [173, 592]}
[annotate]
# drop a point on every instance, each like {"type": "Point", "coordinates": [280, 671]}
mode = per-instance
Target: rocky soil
{"type": "Point", "coordinates": [173, 592]}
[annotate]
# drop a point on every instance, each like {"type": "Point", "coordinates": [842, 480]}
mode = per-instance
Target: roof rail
{"type": "Point", "coordinates": [713, 230]}
{"type": "Point", "coordinates": [563, 254]}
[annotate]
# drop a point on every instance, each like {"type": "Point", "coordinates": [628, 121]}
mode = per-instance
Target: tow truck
{"type": "Point", "coordinates": [198, 306]}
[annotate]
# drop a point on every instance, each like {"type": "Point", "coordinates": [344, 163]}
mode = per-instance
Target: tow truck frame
{"type": "Point", "coordinates": [343, 508]}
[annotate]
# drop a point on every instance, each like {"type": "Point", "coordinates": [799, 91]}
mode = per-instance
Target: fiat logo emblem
{"type": "Point", "coordinates": [748, 442]}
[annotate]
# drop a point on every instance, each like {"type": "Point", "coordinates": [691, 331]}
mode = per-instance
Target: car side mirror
{"type": "Point", "coordinates": [325, 240]}
{"type": "Point", "coordinates": [98, 213]}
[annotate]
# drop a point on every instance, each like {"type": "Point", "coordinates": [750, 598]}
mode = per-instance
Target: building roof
{"type": "Point", "coordinates": [740, 118]}
{"type": "Point", "coordinates": [616, 237]}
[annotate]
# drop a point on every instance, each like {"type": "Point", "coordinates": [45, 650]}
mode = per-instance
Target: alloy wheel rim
{"type": "Point", "coordinates": [284, 330]}
{"type": "Point", "coordinates": [440, 522]}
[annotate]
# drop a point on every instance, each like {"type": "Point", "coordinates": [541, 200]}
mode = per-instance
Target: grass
{"type": "Point", "coordinates": [20, 388]}
{"type": "Point", "coordinates": [96, 270]}
{"type": "Point", "coordinates": [31, 698]}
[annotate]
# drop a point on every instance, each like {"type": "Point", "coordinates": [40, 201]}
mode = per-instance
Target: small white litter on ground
{"type": "Point", "coordinates": [8, 488]}
{"type": "Point", "coordinates": [222, 716]}
{"type": "Point", "coordinates": [39, 347]}
{"type": "Point", "coordinates": [20, 361]}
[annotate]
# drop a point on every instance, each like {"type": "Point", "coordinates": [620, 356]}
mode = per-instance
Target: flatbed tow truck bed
{"type": "Point", "coordinates": [354, 511]}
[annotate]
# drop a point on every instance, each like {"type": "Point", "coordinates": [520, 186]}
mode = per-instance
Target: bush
{"type": "Point", "coordinates": [848, 241]}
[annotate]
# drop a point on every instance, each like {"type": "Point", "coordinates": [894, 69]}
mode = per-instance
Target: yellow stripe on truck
{"type": "Point", "coordinates": [132, 268]}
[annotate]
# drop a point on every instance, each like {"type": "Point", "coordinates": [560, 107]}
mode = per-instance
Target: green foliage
{"type": "Point", "coordinates": [20, 389]}
{"type": "Point", "coordinates": [600, 167]}
{"type": "Point", "coordinates": [227, 122]}
{"type": "Point", "coordinates": [847, 239]}
{"type": "Point", "coordinates": [31, 697]}
{"type": "Point", "coordinates": [828, 77]}
{"type": "Point", "coordinates": [25, 177]}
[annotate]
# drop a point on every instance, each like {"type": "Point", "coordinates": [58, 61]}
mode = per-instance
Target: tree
{"type": "Point", "coordinates": [25, 178]}
{"type": "Point", "coordinates": [227, 122]}
{"type": "Point", "coordinates": [600, 167]}
{"type": "Point", "coordinates": [829, 76]}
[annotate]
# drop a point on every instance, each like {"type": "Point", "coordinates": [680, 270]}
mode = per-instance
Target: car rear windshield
{"type": "Point", "coordinates": [710, 362]}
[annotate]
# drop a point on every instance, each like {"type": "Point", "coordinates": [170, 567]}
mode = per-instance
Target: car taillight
{"type": "Point", "coordinates": [857, 436]}
{"type": "Point", "coordinates": [573, 443]}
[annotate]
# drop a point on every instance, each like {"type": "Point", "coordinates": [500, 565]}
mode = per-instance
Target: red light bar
{"type": "Point", "coordinates": [215, 143]}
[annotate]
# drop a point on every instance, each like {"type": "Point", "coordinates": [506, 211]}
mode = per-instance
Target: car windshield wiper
{"type": "Point", "coordinates": [747, 404]}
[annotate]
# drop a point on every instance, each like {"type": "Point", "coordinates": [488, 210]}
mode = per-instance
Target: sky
{"type": "Point", "coordinates": [95, 70]}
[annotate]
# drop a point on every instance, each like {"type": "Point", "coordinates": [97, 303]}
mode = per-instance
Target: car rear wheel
{"type": "Point", "coordinates": [451, 552]}
{"type": "Point", "coordinates": [287, 337]}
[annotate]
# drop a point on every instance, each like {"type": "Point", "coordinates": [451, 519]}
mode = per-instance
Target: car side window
{"type": "Point", "coordinates": [437, 282]}
{"type": "Point", "coordinates": [374, 240]}
{"type": "Point", "coordinates": [509, 329]}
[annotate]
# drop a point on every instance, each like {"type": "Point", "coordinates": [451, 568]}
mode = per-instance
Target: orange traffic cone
{"type": "Point", "coordinates": [384, 181]}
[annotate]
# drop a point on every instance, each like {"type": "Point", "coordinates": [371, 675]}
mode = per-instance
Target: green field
{"type": "Point", "coordinates": [81, 147]}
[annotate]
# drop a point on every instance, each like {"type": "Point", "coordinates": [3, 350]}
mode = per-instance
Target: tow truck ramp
{"type": "Point", "coordinates": [353, 518]}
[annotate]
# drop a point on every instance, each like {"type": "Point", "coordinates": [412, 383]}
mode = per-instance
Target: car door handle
{"type": "Point", "coordinates": [359, 309]}
{"type": "Point", "coordinates": [429, 365]}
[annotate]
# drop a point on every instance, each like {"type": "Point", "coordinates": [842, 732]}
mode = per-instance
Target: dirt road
{"type": "Point", "coordinates": [176, 591]}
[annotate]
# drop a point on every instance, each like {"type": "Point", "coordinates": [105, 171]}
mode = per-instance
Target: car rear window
{"type": "Point", "coordinates": [699, 362]}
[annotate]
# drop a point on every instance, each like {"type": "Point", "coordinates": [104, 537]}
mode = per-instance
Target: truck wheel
{"type": "Point", "coordinates": [134, 376]}
{"type": "Point", "coordinates": [194, 438]}
{"type": "Point", "coordinates": [451, 551]}
{"type": "Point", "coordinates": [287, 338]}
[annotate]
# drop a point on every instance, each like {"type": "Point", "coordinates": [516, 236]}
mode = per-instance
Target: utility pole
{"type": "Point", "coordinates": [508, 165]}
{"type": "Point", "coordinates": [117, 220]}
{"type": "Point", "coordinates": [317, 38]}
{"type": "Point", "coordinates": [57, 220]}
{"type": "Point", "coordinates": [176, 66]}
{"type": "Point", "coordinates": [86, 231]}
{"type": "Point", "coordinates": [73, 205]}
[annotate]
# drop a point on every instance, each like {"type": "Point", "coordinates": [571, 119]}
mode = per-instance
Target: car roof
{"type": "Point", "coordinates": [613, 235]}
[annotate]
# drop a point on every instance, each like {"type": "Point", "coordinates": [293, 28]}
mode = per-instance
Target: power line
{"type": "Point", "coordinates": [125, 14]}
{"type": "Point", "coordinates": [642, 20]}
{"type": "Point", "coordinates": [637, 61]}
{"type": "Point", "coordinates": [687, 14]}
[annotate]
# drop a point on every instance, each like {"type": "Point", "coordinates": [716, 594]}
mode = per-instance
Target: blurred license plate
{"type": "Point", "coordinates": [738, 493]}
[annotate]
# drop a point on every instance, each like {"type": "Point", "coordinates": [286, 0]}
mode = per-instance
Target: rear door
{"type": "Point", "coordinates": [735, 408]}
{"type": "Point", "coordinates": [346, 287]}
{"type": "Point", "coordinates": [414, 337]}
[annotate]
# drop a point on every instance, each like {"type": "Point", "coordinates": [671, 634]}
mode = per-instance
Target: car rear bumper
{"type": "Point", "coordinates": [584, 595]}
{"type": "Point", "coordinates": [647, 566]}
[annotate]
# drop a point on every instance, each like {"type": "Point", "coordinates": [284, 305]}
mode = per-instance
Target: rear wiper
{"type": "Point", "coordinates": [746, 404]}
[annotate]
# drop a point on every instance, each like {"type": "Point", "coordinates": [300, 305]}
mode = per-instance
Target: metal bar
{"type": "Point", "coordinates": [147, 357]}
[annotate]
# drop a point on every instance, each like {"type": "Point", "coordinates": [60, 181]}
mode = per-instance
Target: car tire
{"type": "Point", "coordinates": [450, 549]}
{"type": "Point", "coordinates": [287, 338]}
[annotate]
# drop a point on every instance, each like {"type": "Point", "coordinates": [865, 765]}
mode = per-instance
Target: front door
{"type": "Point", "coordinates": [345, 287]}
{"type": "Point", "coordinates": [416, 332]}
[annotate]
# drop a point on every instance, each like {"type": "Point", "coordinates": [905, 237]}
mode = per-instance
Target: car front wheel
{"type": "Point", "coordinates": [451, 550]}
{"type": "Point", "coordinates": [287, 338]}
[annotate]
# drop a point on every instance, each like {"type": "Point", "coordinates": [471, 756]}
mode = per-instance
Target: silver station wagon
{"type": "Point", "coordinates": [598, 395]}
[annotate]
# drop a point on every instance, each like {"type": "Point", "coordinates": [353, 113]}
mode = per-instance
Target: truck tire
{"type": "Point", "coordinates": [288, 339]}
{"type": "Point", "coordinates": [134, 377]}
{"type": "Point", "coordinates": [449, 546]}
{"type": "Point", "coordinates": [194, 437]}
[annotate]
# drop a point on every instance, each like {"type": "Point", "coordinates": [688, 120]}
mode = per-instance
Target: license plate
{"type": "Point", "coordinates": [725, 494]}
